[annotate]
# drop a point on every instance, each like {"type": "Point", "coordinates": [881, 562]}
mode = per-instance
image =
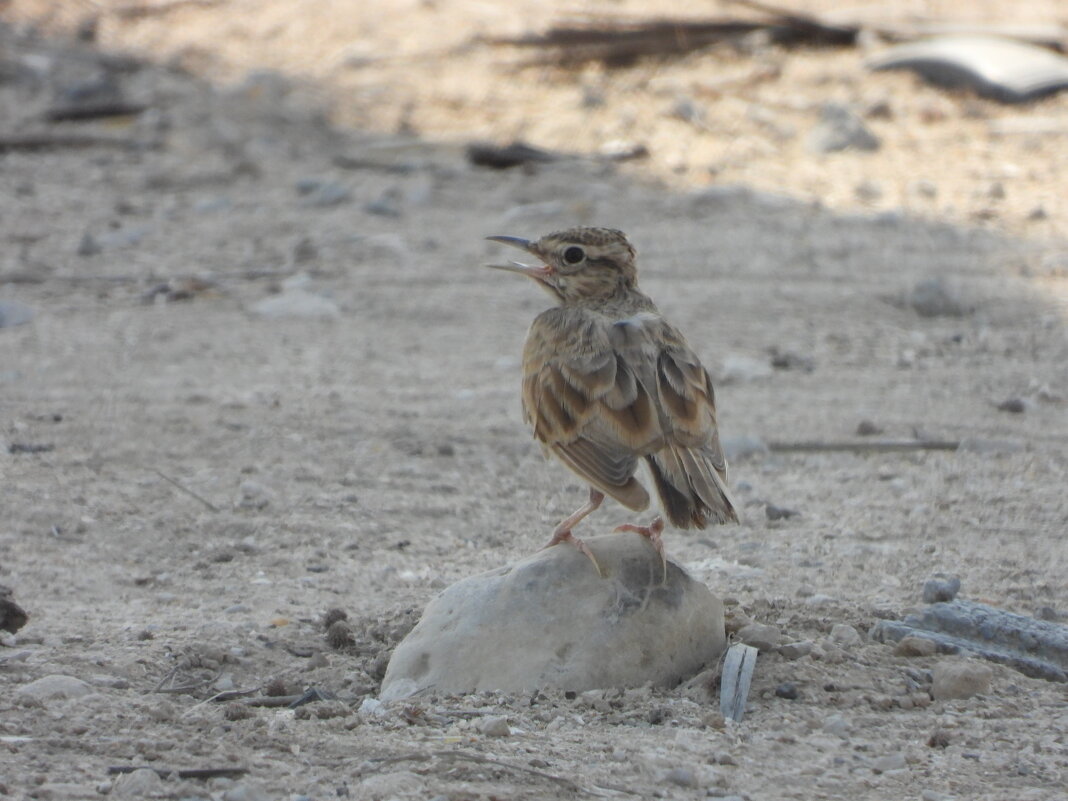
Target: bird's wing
{"type": "Point", "coordinates": [587, 403]}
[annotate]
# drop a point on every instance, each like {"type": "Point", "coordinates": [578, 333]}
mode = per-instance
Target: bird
{"type": "Point", "coordinates": [608, 383]}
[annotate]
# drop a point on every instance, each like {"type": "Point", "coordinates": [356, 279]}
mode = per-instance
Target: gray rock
{"type": "Point", "coordinates": [934, 795]}
{"type": "Point", "coordinates": [297, 303]}
{"type": "Point", "coordinates": [550, 621]}
{"type": "Point", "coordinates": [761, 636]}
{"type": "Point", "coordinates": [838, 726]}
{"type": "Point", "coordinates": [894, 761]}
{"type": "Point", "coordinates": [246, 791]}
{"type": "Point", "coordinates": [54, 686]}
{"type": "Point", "coordinates": [931, 297]}
{"type": "Point", "coordinates": [845, 635]}
{"type": "Point", "coordinates": [960, 679]}
{"type": "Point", "coordinates": [494, 726]}
{"type": "Point", "coordinates": [323, 194]}
{"type": "Point", "coordinates": [796, 650]}
{"type": "Point", "coordinates": [916, 646]}
{"type": "Point", "coordinates": [787, 690]}
{"type": "Point", "coordinates": [682, 777]}
{"type": "Point", "coordinates": [253, 495]}
{"type": "Point", "coordinates": [13, 313]}
{"type": "Point", "coordinates": [840, 129]}
{"type": "Point", "coordinates": [141, 783]}
{"type": "Point", "coordinates": [940, 588]}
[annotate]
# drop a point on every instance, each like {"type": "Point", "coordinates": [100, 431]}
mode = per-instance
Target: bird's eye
{"type": "Point", "coordinates": [574, 254]}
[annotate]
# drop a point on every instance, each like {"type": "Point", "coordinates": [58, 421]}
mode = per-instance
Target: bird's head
{"type": "Point", "coordinates": [579, 264]}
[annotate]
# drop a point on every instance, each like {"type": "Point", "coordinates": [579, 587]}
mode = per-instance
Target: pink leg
{"type": "Point", "coordinates": [562, 533]}
{"type": "Point", "coordinates": [652, 531]}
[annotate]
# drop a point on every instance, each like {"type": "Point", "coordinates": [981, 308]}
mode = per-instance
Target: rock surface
{"type": "Point", "coordinates": [960, 679]}
{"type": "Point", "coordinates": [550, 621]}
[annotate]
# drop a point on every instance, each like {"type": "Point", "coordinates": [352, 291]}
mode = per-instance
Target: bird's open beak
{"type": "Point", "coordinates": [543, 273]}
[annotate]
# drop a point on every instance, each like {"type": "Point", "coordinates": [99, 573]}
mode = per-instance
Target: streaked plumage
{"type": "Point", "coordinates": [607, 382]}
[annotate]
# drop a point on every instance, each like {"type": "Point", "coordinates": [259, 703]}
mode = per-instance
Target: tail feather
{"type": "Point", "coordinates": [692, 492]}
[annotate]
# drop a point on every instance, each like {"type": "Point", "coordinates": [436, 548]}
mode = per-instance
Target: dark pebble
{"type": "Point", "coordinates": [788, 690]}
{"type": "Point", "coordinates": [940, 588]}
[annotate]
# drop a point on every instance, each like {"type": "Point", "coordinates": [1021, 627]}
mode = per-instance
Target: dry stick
{"type": "Point", "coordinates": [190, 773]}
{"type": "Point", "coordinates": [139, 11]}
{"type": "Point", "coordinates": [878, 446]}
{"type": "Point", "coordinates": [48, 141]}
{"type": "Point", "coordinates": [83, 111]}
{"type": "Point", "coordinates": [186, 490]}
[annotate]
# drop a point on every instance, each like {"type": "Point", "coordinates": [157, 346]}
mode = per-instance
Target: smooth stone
{"type": "Point", "coordinates": [894, 761]}
{"type": "Point", "coordinates": [549, 621]}
{"type": "Point", "coordinates": [940, 588]}
{"type": "Point", "coordinates": [840, 129]}
{"type": "Point", "coordinates": [931, 297]}
{"type": "Point", "coordinates": [916, 646]}
{"type": "Point", "coordinates": [54, 686]}
{"type": "Point", "coordinates": [13, 313]}
{"type": "Point", "coordinates": [494, 726]}
{"type": "Point", "coordinates": [845, 635]}
{"type": "Point", "coordinates": [761, 636]}
{"type": "Point", "coordinates": [299, 304]}
{"type": "Point", "coordinates": [959, 679]}
{"type": "Point", "coordinates": [796, 650]}
{"type": "Point", "coordinates": [141, 783]}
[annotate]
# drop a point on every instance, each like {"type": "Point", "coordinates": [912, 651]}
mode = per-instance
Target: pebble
{"type": "Point", "coordinates": [54, 686]}
{"type": "Point", "coordinates": [1013, 406]}
{"type": "Point", "coordinates": [916, 646]}
{"type": "Point", "coordinates": [297, 304]}
{"type": "Point", "coordinates": [739, 369]}
{"type": "Point", "coordinates": [940, 588]}
{"type": "Point", "coordinates": [932, 298]}
{"type": "Point", "coordinates": [253, 495]}
{"type": "Point", "coordinates": [681, 777]}
{"type": "Point", "coordinates": [323, 194]}
{"type": "Point", "coordinates": [866, 428]}
{"type": "Point", "coordinates": [761, 636]}
{"type": "Point", "coordinates": [744, 446]}
{"type": "Point", "coordinates": [773, 512]}
{"type": "Point", "coordinates": [788, 690]}
{"type": "Point", "coordinates": [13, 313]}
{"type": "Point", "coordinates": [960, 679]}
{"type": "Point", "coordinates": [934, 795]}
{"type": "Point", "coordinates": [840, 129]}
{"type": "Point", "coordinates": [246, 791]}
{"type": "Point", "coordinates": [494, 726]}
{"type": "Point", "coordinates": [887, 762]}
{"type": "Point", "coordinates": [141, 783]}
{"type": "Point", "coordinates": [796, 650]}
{"type": "Point", "coordinates": [838, 726]}
{"type": "Point", "coordinates": [845, 635]}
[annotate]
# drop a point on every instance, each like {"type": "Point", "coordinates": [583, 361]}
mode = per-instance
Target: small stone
{"type": "Point", "coordinates": [682, 777]}
{"type": "Point", "coordinates": [868, 191]}
{"type": "Point", "coordinates": [340, 635]}
{"type": "Point", "coordinates": [773, 512]}
{"type": "Point", "coordinates": [932, 298]}
{"type": "Point", "coordinates": [54, 686]}
{"type": "Point", "coordinates": [926, 189]}
{"type": "Point", "coordinates": [739, 369]}
{"type": "Point", "coordinates": [788, 690]}
{"type": "Point", "coordinates": [246, 791]}
{"type": "Point", "coordinates": [960, 679]}
{"type": "Point", "coordinates": [940, 588]}
{"type": "Point", "coordinates": [253, 495]}
{"type": "Point", "coordinates": [494, 726]}
{"type": "Point", "coordinates": [743, 447]}
{"type": "Point", "coordinates": [13, 313]}
{"type": "Point", "coordinates": [761, 636]}
{"type": "Point", "coordinates": [934, 795]}
{"type": "Point", "coordinates": [323, 194]}
{"type": "Point", "coordinates": [1037, 213]}
{"type": "Point", "coordinates": [141, 783]}
{"type": "Point", "coordinates": [887, 762]}
{"type": "Point", "coordinates": [297, 304]}
{"type": "Point", "coordinates": [839, 129]}
{"type": "Point", "coordinates": [837, 726]}
{"type": "Point", "coordinates": [866, 428]}
{"type": "Point", "coordinates": [796, 650]}
{"type": "Point", "coordinates": [845, 635]}
{"type": "Point", "coordinates": [940, 738]}
{"type": "Point", "coordinates": [1012, 405]}
{"type": "Point", "coordinates": [88, 246]}
{"type": "Point", "coordinates": [916, 646]}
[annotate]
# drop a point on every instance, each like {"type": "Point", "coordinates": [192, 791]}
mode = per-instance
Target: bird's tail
{"type": "Point", "coordinates": [692, 491]}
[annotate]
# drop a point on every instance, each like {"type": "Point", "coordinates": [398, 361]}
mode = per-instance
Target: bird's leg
{"type": "Point", "coordinates": [652, 531]}
{"type": "Point", "coordinates": [563, 531]}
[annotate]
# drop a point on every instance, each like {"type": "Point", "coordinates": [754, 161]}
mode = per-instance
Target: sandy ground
{"type": "Point", "coordinates": [188, 485]}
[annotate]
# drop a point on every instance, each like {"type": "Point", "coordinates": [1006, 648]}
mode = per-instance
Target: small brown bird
{"type": "Point", "coordinates": [607, 381]}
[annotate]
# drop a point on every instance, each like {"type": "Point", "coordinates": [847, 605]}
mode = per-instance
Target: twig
{"type": "Point", "coordinates": [185, 688]}
{"type": "Point", "coordinates": [188, 773]}
{"type": "Point", "coordinates": [186, 490]}
{"type": "Point", "coordinates": [271, 700]}
{"type": "Point", "coordinates": [140, 11]}
{"type": "Point", "coordinates": [877, 446]}
{"type": "Point", "coordinates": [48, 141]}
{"type": "Point", "coordinates": [84, 111]}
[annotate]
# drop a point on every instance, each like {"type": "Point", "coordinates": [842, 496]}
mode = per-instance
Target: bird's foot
{"type": "Point", "coordinates": [652, 532]}
{"type": "Point", "coordinates": [567, 536]}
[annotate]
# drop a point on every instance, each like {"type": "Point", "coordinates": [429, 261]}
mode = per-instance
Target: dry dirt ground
{"type": "Point", "coordinates": [189, 484]}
